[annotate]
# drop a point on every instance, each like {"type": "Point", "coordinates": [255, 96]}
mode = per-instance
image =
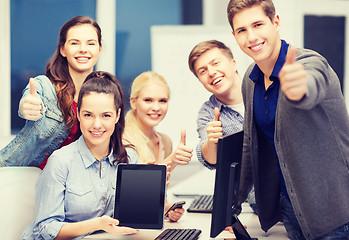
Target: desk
{"type": "Point", "coordinates": [204, 181]}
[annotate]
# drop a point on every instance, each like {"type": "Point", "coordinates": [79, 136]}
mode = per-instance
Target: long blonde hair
{"type": "Point", "coordinates": [133, 134]}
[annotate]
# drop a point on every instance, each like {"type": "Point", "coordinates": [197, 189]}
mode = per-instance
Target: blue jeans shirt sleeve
{"type": "Point", "coordinates": [50, 212]}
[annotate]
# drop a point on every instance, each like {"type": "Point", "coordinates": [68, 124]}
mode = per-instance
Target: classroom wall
{"type": "Point", "coordinates": [325, 32]}
{"type": "Point", "coordinates": [320, 25]}
{"type": "Point", "coordinates": [34, 33]}
{"type": "Point", "coordinates": [133, 21]}
{"type": "Point", "coordinates": [35, 25]}
{"type": "Point", "coordinates": [5, 65]}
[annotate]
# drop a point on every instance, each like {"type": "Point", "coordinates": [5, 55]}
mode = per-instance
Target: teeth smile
{"type": "Point", "coordinates": [98, 134]}
{"type": "Point", "coordinates": [256, 47]}
{"type": "Point", "coordinates": [82, 58]}
{"type": "Point", "coordinates": [216, 81]}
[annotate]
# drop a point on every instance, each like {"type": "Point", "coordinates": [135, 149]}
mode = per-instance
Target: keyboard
{"type": "Point", "coordinates": [179, 234]}
{"type": "Point", "coordinates": [201, 204]}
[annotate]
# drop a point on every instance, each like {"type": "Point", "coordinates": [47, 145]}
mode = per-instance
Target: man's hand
{"type": "Point", "coordinates": [293, 77]}
{"type": "Point", "coordinates": [214, 128]}
{"type": "Point", "coordinates": [214, 131]}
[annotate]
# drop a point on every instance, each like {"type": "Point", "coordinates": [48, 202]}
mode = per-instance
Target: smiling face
{"type": "Point", "coordinates": [97, 116]}
{"type": "Point", "coordinates": [81, 49]}
{"type": "Point", "coordinates": [216, 71]}
{"type": "Point", "coordinates": [151, 105]}
{"type": "Point", "coordinates": [257, 35]}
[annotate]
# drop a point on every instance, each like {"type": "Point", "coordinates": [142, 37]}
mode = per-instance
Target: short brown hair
{"type": "Point", "coordinates": [236, 6]}
{"type": "Point", "coordinates": [203, 47]}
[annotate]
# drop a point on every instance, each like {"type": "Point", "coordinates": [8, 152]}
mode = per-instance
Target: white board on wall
{"type": "Point", "coordinates": [170, 48]}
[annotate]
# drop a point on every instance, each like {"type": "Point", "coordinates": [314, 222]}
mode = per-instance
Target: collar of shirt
{"type": "Point", "coordinates": [215, 101]}
{"type": "Point", "coordinates": [87, 157]}
{"type": "Point", "coordinates": [257, 74]}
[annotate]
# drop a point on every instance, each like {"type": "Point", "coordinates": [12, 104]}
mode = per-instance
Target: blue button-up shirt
{"type": "Point", "coordinates": [232, 122]}
{"type": "Point", "coordinates": [73, 187]}
{"type": "Point", "coordinates": [265, 101]}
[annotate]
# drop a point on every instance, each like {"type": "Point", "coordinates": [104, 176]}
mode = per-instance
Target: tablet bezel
{"type": "Point", "coordinates": [160, 213]}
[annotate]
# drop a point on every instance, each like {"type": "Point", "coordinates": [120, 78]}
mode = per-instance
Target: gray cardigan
{"type": "Point", "coordinates": [312, 144]}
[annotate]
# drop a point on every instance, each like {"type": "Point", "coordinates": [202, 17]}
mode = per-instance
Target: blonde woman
{"type": "Point", "coordinates": [149, 102]}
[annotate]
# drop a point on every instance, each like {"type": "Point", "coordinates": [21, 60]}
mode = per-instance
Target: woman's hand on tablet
{"type": "Point", "coordinates": [110, 225]}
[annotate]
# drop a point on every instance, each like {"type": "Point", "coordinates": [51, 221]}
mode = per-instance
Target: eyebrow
{"type": "Point", "coordinates": [74, 39]}
{"type": "Point", "coordinates": [86, 111]}
{"type": "Point", "coordinates": [215, 59]}
{"type": "Point", "coordinates": [258, 21]}
{"type": "Point", "coordinates": [210, 62]}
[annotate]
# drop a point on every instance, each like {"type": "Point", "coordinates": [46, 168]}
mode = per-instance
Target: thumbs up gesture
{"type": "Point", "coordinates": [183, 153]}
{"type": "Point", "coordinates": [293, 77]}
{"type": "Point", "coordinates": [214, 128]}
{"type": "Point", "coordinates": [31, 105]}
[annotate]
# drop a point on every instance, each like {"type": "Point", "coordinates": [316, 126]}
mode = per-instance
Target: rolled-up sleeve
{"type": "Point", "coordinates": [205, 115]}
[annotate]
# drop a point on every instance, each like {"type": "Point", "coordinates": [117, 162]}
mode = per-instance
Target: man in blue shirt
{"type": "Point", "coordinates": [296, 130]}
{"type": "Point", "coordinates": [213, 64]}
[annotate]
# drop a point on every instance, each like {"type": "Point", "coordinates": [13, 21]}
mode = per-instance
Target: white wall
{"type": "Point", "coordinates": [106, 18]}
{"type": "Point", "coordinates": [5, 68]}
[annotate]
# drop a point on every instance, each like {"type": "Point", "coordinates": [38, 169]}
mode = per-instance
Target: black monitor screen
{"type": "Point", "coordinates": [227, 181]}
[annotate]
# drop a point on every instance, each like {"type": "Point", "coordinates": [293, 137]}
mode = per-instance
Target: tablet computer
{"type": "Point", "coordinates": [140, 195]}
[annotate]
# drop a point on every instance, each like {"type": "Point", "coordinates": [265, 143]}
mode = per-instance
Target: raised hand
{"type": "Point", "coordinates": [214, 128]}
{"type": "Point", "coordinates": [31, 105]}
{"type": "Point", "coordinates": [183, 153]}
{"type": "Point", "coordinates": [293, 77]}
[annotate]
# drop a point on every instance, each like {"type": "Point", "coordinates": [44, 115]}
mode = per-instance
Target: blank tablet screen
{"type": "Point", "coordinates": [140, 195]}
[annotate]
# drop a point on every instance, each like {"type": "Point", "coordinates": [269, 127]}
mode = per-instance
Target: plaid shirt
{"type": "Point", "coordinates": [231, 122]}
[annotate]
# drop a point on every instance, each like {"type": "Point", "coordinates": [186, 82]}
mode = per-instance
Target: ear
{"type": "Point", "coordinates": [233, 62]}
{"type": "Point", "coordinates": [118, 116]}
{"type": "Point", "coordinates": [276, 22]}
{"type": "Point", "coordinates": [62, 51]}
{"type": "Point", "coordinates": [78, 114]}
{"type": "Point", "coordinates": [133, 103]}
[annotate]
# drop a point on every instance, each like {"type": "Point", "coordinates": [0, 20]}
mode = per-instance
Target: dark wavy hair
{"type": "Point", "coordinates": [57, 69]}
{"type": "Point", "coordinates": [104, 82]}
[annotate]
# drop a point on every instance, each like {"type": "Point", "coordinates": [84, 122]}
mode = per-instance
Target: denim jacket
{"type": "Point", "coordinates": [38, 139]}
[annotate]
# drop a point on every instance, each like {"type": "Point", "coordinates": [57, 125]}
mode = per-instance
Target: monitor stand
{"type": "Point", "coordinates": [239, 230]}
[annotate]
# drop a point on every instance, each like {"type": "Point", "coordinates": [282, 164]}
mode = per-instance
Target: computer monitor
{"type": "Point", "coordinates": [226, 188]}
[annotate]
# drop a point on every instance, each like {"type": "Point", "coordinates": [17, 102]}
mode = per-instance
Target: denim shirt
{"type": "Point", "coordinates": [73, 187]}
{"type": "Point", "coordinates": [38, 139]}
{"type": "Point", "coordinates": [231, 122]}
